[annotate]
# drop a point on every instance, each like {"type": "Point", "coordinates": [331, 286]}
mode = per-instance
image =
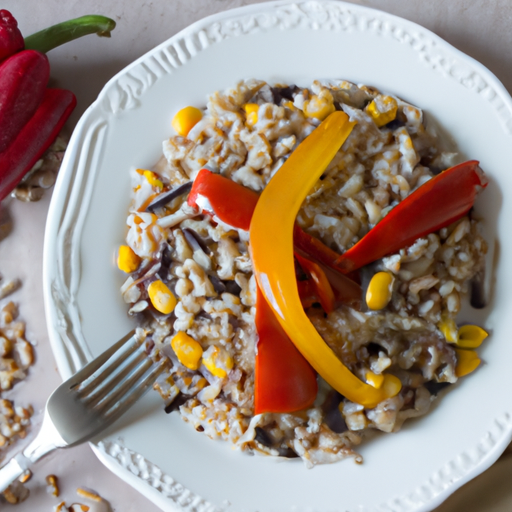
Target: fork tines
{"type": "Point", "coordinates": [121, 379]}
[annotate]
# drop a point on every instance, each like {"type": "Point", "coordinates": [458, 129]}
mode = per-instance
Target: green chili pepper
{"type": "Point", "coordinates": [51, 37]}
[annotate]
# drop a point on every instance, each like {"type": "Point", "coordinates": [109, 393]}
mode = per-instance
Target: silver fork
{"type": "Point", "coordinates": [88, 402]}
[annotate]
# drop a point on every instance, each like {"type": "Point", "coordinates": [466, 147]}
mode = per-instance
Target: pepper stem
{"type": "Point", "coordinates": [51, 37]}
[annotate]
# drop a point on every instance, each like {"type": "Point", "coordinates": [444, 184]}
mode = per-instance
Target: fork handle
{"type": "Point", "coordinates": [12, 470]}
{"type": "Point", "coordinates": [47, 440]}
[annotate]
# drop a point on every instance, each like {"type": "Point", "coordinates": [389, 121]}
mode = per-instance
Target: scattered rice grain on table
{"type": "Point", "coordinates": [16, 357]}
{"type": "Point", "coordinates": [379, 165]}
{"type": "Point", "coordinates": [43, 174]}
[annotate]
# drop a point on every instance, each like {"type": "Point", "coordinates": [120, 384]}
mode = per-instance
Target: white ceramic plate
{"type": "Point", "coordinates": [490, 492]}
{"type": "Point", "coordinates": [159, 454]}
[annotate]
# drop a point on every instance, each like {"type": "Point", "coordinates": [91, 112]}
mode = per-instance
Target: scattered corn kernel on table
{"type": "Point", "coordinates": [84, 66]}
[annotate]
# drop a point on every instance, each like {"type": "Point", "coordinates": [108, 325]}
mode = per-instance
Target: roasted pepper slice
{"type": "Point", "coordinates": [283, 380]}
{"type": "Point", "coordinates": [234, 204]}
{"type": "Point", "coordinates": [307, 293]}
{"type": "Point", "coordinates": [230, 202]}
{"type": "Point", "coordinates": [272, 258]}
{"type": "Point", "coordinates": [440, 201]}
{"type": "Point", "coordinates": [322, 287]}
{"type": "Point", "coordinates": [346, 290]}
{"type": "Point", "coordinates": [317, 250]}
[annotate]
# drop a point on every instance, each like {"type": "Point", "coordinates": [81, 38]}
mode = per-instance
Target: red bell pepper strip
{"type": "Point", "coordinates": [56, 35]}
{"type": "Point", "coordinates": [232, 203]}
{"type": "Point", "coordinates": [319, 251]}
{"type": "Point", "coordinates": [23, 80]}
{"type": "Point", "coordinates": [11, 40]}
{"type": "Point", "coordinates": [307, 293]}
{"type": "Point", "coordinates": [321, 285]}
{"type": "Point", "coordinates": [283, 380]}
{"type": "Point", "coordinates": [438, 203]}
{"type": "Point", "coordinates": [34, 138]}
{"type": "Point", "coordinates": [346, 290]}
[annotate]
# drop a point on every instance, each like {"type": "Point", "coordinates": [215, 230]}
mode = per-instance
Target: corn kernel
{"type": "Point", "coordinates": [127, 260]}
{"type": "Point", "coordinates": [10, 496]}
{"type": "Point", "coordinates": [218, 361]}
{"type": "Point", "coordinates": [379, 290]}
{"type": "Point", "coordinates": [471, 336]}
{"type": "Point", "coordinates": [319, 107]}
{"type": "Point", "coordinates": [153, 180]}
{"type": "Point", "coordinates": [187, 350]}
{"type": "Point", "coordinates": [25, 477]}
{"type": "Point", "coordinates": [186, 119]}
{"type": "Point", "coordinates": [289, 104]}
{"type": "Point", "coordinates": [251, 111]}
{"type": "Point", "coordinates": [53, 485]}
{"type": "Point", "coordinates": [89, 495]}
{"type": "Point", "coordinates": [374, 379]}
{"type": "Point", "coordinates": [382, 109]}
{"type": "Point", "coordinates": [161, 297]}
{"type": "Point", "coordinates": [467, 361]}
{"type": "Point", "coordinates": [448, 328]}
{"type": "Point", "coordinates": [391, 385]}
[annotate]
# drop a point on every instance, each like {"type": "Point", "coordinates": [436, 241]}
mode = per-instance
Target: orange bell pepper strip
{"type": "Point", "coordinates": [283, 380]}
{"type": "Point", "coordinates": [436, 204]}
{"type": "Point", "coordinates": [273, 258]}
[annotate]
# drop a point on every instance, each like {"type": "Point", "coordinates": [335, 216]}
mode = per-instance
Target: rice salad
{"type": "Point", "coordinates": [192, 287]}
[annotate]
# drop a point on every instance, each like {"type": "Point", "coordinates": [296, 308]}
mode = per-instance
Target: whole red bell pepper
{"type": "Point", "coordinates": [31, 115]}
{"type": "Point", "coordinates": [23, 80]}
{"type": "Point", "coordinates": [34, 138]}
{"type": "Point", "coordinates": [11, 40]}
{"type": "Point", "coordinates": [436, 204]}
{"type": "Point", "coordinates": [283, 380]}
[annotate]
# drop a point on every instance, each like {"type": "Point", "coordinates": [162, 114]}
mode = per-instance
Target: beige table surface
{"type": "Point", "coordinates": [480, 28]}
